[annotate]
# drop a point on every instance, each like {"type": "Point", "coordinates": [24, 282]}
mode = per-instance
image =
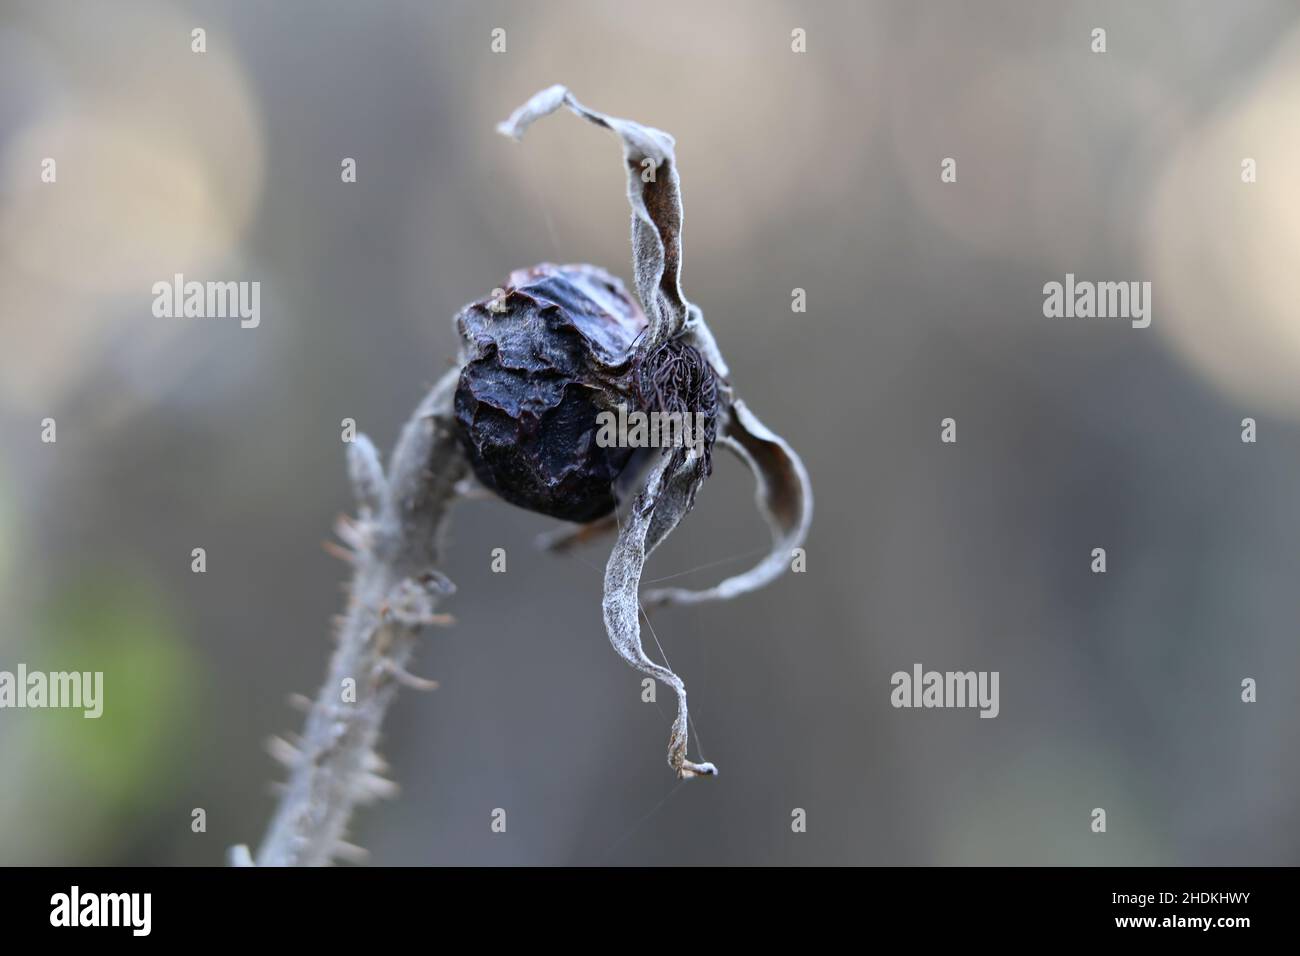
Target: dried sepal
{"type": "Point", "coordinates": [676, 343]}
{"type": "Point", "coordinates": [654, 191]}
{"type": "Point", "coordinates": [622, 608]}
{"type": "Point", "coordinates": [567, 537]}
{"type": "Point", "coordinates": [783, 494]}
{"type": "Point", "coordinates": [675, 501]}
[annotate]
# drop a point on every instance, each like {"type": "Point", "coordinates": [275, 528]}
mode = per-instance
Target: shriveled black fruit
{"type": "Point", "coordinates": [544, 358]}
{"type": "Point", "coordinates": [541, 362]}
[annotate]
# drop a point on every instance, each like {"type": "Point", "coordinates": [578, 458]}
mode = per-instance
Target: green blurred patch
{"type": "Point", "coordinates": [8, 529]}
{"type": "Point", "coordinates": [100, 775]}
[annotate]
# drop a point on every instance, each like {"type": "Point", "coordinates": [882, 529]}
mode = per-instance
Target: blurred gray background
{"type": "Point", "coordinates": [817, 170]}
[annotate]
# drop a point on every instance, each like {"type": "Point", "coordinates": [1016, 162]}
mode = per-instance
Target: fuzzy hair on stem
{"type": "Point", "coordinates": [396, 586]}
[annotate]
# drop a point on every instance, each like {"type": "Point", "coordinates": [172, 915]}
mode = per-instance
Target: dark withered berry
{"type": "Point", "coordinates": [543, 358]}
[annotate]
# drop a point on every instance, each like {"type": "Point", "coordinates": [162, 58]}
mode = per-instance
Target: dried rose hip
{"type": "Point", "coordinates": [542, 361]}
{"type": "Point", "coordinates": [562, 344]}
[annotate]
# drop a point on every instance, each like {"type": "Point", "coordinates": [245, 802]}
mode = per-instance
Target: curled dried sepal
{"type": "Point", "coordinates": [783, 494]}
{"type": "Point", "coordinates": [670, 485]}
{"type": "Point", "coordinates": [784, 497]}
{"type": "Point", "coordinates": [654, 191]}
{"type": "Point", "coordinates": [622, 607]}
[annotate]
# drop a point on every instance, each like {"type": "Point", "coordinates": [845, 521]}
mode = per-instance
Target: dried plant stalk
{"type": "Point", "coordinates": [505, 413]}
{"type": "Point", "coordinates": [394, 593]}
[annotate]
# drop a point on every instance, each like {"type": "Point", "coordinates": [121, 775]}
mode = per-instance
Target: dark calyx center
{"type": "Point", "coordinates": [675, 378]}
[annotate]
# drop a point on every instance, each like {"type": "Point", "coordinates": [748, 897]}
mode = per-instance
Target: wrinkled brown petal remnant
{"type": "Point", "coordinates": [564, 343]}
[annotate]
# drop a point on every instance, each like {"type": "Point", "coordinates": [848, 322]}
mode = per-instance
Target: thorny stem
{"type": "Point", "coordinates": [395, 588]}
{"type": "Point", "coordinates": [396, 585]}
